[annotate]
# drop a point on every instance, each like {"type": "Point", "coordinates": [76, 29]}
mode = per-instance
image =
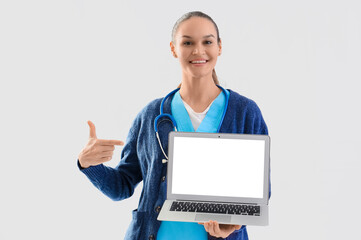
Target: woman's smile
{"type": "Point", "coordinates": [198, 62]}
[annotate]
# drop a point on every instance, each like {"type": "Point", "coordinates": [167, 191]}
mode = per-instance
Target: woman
{"type": "Point", "coordinates": [197, 106]}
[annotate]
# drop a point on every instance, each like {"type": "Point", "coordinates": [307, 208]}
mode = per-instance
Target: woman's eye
{"type": "Point", "coordinates": [189, 43]}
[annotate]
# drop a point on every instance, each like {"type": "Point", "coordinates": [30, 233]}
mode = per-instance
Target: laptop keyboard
{"type": "Point", "coordinates": [220, 208]}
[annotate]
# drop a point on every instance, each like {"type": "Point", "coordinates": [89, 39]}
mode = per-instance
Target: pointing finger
{"type": "Point", "coordinates": [107, 148]}
{"type": "Point", "coordinates": [110, 142]}
{"type": "Point", "coordinates": [92, 133]}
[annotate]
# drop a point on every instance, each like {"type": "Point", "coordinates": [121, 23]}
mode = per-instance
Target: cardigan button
{"type": "Point", "coordinates": [163, 178]}
{"type": "Point", "coordinates": [157, 209]}
{"type": "Point", "coordinates": [151, 237]}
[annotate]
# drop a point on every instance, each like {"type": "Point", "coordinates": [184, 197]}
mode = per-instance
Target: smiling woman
{"type": "Point", "coordinates": [198, 105]}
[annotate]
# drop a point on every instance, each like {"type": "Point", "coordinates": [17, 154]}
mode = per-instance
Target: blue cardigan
{"type": "Point", "coordinates": [141, 160]}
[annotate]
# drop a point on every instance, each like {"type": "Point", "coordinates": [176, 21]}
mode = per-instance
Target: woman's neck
{"type": "Point", "coordinates": [199, 93]}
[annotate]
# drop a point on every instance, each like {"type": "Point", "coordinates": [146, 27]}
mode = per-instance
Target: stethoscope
{"type": "Point", "coordinates": [170, 118]}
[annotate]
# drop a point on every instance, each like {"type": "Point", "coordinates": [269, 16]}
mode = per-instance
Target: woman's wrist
{"type": "Point", "coordinates": [81, 166]}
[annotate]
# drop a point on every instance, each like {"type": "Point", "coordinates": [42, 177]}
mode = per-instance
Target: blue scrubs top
{"type": "Point", "coordinates": [170, 230]}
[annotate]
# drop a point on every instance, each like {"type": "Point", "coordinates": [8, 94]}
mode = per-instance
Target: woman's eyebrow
{"type": "Point", "coordinates": [207, 36]}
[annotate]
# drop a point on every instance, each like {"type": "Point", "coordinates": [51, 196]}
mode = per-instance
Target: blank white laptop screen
{"type": "Point", "coordinates": [218, 167]}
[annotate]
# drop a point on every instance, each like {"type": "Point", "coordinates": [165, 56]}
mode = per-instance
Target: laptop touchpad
{"type": "Point", "coordinates": [208, 217]}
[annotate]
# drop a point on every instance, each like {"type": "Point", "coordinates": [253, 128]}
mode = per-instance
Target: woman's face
{"type": "Point", "coordinates": [196, 47]}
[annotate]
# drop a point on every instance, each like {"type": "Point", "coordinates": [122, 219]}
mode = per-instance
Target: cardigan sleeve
{"type": "Point", "coordinates": [119, 183]}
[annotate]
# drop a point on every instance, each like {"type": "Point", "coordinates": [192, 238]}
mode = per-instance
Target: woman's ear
{"type": "Point", "coordinates": [220, 47]}
{"type": "Point", "coordinates": [172, 48]}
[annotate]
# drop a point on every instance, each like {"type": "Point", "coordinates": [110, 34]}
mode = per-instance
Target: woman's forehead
{"type": "Point", "coordinates": [196, 27]}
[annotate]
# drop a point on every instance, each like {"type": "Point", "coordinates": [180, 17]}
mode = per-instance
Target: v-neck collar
{"type": "Point", "coordinates": [211, 121]}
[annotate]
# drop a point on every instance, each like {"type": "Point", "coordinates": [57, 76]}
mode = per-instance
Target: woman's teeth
{"type": "Point", "coordinates": [204, 61]}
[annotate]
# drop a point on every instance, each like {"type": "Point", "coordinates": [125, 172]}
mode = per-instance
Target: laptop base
{"type": "Point", "coordinates": [167, 215]}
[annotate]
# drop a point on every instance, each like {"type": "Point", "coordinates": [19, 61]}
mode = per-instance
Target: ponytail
{"type": "Point", "coordinates": [214, 76]}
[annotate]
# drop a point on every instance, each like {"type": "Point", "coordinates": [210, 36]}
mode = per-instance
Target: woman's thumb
{"type": "Point", "coordinates": [92, 133]}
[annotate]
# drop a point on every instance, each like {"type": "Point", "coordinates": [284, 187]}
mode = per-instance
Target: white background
{"type": "Point", "coordinates": [213, 167]}
{"type": "Point", "coordinates": [65, 62]}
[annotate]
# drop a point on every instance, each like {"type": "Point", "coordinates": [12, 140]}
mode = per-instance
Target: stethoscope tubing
{"type": "Point", "coordinates": [171, 118]}
{"type": "Point", "coordinates": [165, 114]}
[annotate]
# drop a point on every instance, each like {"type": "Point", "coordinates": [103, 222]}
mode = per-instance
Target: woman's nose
{"type": "Point", "coordinates": [198, 50]}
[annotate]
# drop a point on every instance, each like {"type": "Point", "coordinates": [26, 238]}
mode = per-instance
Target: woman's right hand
{"type": "Point", "coordinates": [97, 151]}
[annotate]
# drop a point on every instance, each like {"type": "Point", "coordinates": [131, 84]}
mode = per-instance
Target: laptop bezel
{"type": "Point", "coordinates": [263, 200]}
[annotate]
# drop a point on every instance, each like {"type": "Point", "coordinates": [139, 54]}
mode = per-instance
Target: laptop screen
{"type": "Point", "coordinates": [218, 167]}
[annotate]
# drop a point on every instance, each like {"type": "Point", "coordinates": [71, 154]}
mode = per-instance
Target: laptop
{"type": "Point", "coordinates": [217, 176]}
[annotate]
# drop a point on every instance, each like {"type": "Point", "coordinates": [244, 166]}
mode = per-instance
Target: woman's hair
{"type": "Point", "coordinates": [188, 16]}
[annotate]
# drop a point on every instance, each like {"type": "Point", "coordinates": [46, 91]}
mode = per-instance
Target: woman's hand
{"type": "Point", "coordinates": [96, 151]}
{"type": "Point", "coordinates": [219, 230]}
